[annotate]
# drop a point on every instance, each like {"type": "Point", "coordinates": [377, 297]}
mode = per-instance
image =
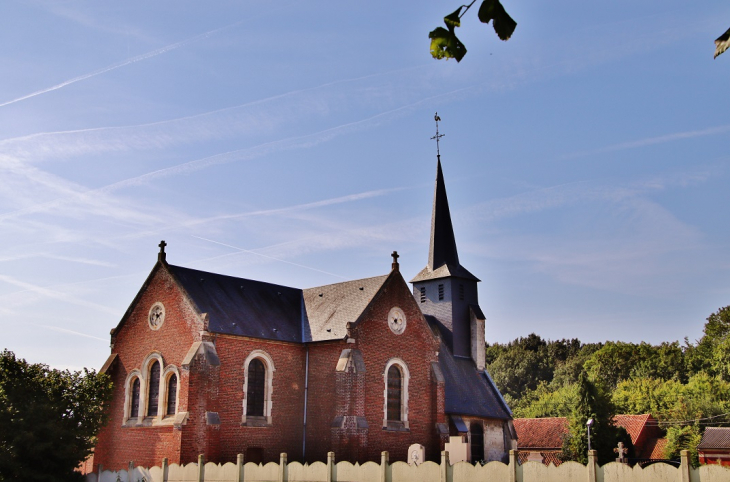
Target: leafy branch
{"type": "Point", "coordinates": [446, 45]}
{"type": "Point", "coordinates": [722, 43]}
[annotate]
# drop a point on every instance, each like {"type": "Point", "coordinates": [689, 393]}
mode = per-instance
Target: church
{"type": "Point", "coordinates": [204, 363]}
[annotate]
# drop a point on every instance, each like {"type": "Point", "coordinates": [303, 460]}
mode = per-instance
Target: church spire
{"type": "Point", "coordinates": [443, 259]}
{"type": "Point", "coordinates": [442, 250]}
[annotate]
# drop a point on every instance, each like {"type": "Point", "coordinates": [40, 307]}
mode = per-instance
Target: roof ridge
{"type": "Point", "coordinates": [346, 282]}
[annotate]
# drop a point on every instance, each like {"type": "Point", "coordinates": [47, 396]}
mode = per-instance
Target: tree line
{"type": "Point", "coordinates": [685, 386]}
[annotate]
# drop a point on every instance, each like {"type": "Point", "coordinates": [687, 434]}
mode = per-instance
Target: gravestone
{"type": "Point", "coordinates": [416, 454]}
{"type": "Point", "coordinates": [457, 449]}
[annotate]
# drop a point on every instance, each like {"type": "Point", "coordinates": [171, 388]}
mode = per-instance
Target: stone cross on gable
{"type": "Point", "coordinates": [621, 451]}
{"type": "Point", "coordinates": [161, 255]}
{"type": "Point", "coordinates": [395, 256]}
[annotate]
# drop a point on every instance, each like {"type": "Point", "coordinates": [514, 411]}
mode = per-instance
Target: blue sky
{"type": "Point", "coordinates": [586, 159]}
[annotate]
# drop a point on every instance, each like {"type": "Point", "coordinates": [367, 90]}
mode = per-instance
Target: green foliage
{"type": "Point", "coordinates": [546, 402]}
{"type": "Point", "coordinates": [592, 402]}
{"type": "Point", "coordinates": [518, 370]}
{"type": "Point", "coordinates": [683, 438]}
{"type": "Point", "coordinates": [619, 361]}
{"type": "Point", "coordinates": [48, 419]}
{"type": "Point", "coordinates": [446, 45]}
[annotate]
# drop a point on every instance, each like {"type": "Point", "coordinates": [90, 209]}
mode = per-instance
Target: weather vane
{"type": "Point", "coordinates": [437, 136]}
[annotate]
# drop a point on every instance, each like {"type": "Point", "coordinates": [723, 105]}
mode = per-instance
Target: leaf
{"type": "Point", "coordinates": [445, 45]}
{"type": "Point", "coordinates": [722, 43]}
{"type": "Point", "coordinates": [453, 19]}
{"type": "Point", "coordinates": [503, 24]}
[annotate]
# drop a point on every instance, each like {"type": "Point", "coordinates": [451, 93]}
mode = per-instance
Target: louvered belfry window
{"type": "Point", "coordinates": [171, 395]}
{"type": "Point", "coordinates": [153, 399]}
{"type": "Point", "coordinates": [395, 387]}
{"type": "Point", "coordinates": [256, 387]}
{"type": "Point", "coordinates": [134, 411]}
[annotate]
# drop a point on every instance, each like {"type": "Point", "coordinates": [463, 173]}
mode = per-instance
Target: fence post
{"type": "Point", "coordinates": [444, 465]}
{"type": "Point", "coordinates": [512, 466]}
{"type": "Point", "coordinates": [384, 461]}
{"type": "Point", "coordinates": [164, 469]}
{"type": "Point", "coordinates": [130, 470]}
{"type": "Point", "coordinates": [201, 468]}
{"type": "Point", "coordinates": [239, 464]}
{"type": "Point", "coordinates": [101, 469]}
{"type": "Point", "coordinates": [330, 465]}
{"type": "Point", "coordinates": [685, 467]}
{"type": "Point", "coordinates": [591, 469]}
{"type": "Point", "coordinates": [282, 467]}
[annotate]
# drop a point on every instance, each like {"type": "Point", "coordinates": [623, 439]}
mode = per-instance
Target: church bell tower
{"type": "Point", "coordinates": [444, 289]}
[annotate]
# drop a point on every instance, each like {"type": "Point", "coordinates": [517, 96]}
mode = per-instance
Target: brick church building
{"type": "Point", "coordinates": [204, 363]}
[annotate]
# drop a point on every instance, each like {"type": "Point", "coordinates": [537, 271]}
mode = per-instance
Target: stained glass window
{"type": "Point", "coordinates": [153, 398]}
{"type": "Point", "coordinates": [171, 395]}
{"type": "Point", "coordinates": [256, 386]}
{"type": "Point", "coordinates": [395, 384]}
{"type": "Point", "coordinates": [134, 411]}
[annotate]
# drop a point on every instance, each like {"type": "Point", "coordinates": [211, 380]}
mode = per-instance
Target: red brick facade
{"type": "Point", "coordinates": [211, 391]}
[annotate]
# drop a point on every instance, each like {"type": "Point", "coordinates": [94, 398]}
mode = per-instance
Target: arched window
{"type": "Point", "coordinates": [153, 390]}
{"type": "Point", "coordinates": [256, 388]}
{"type": "Point", "coordinates": [171, 395]}
{"type": "Point", "coordinates": [395, 406]}
{"type": "Point", "coordinates": [134, 409]}
{"type": "Point", "coordinates": [476, 432]}
{"type": "Point", "coordinates": [395, 390]}
{"type": "Point", "coordinates": [258, 370]}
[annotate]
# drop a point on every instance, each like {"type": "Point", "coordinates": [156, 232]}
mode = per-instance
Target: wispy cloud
{"type": "Point", "coordinates": [70, 332]}
{"type": "Point", "coordinates": [123, 63]}
{"type": "Point", "coordinates": [650, 141]}
{"type": "Point", "coordinates": [56, 295]}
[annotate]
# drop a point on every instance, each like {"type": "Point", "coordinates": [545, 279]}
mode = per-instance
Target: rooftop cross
{"type": "Point", "coordinates": [395, 256]}
{"type": "Point", "coordinates": [161, 256]}
{"type": "Point", "coordinates": [437, 136]}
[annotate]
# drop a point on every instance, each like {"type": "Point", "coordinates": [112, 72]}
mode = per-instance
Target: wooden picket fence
{"type": "Point", "coordinates": [403, 472]}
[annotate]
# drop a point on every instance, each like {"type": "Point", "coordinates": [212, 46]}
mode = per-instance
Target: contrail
{"type": "Point", "coordinates": [268, 257]}
{"type": "Point", "coordinates": [132, 60]}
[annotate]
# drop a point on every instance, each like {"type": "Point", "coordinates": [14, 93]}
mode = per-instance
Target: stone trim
{"type": "Point", "coordinates": [268, 389]}
{"type": "Point", "coordinates": [396, 425]}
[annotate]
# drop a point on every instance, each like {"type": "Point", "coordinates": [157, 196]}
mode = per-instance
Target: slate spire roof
{"type": "Point", "coordinates": [443, 259]}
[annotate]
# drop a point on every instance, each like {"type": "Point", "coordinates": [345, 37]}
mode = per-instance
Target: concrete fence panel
{"type": "Point", "coordinates": [402, 472]}
{"type": "Point", "coordinates": [711, 473]}
{"type": "Point", "coordinates": [426, 472]}
{"type": "Point", "coordinates": [494, 471]}
{"type": "Point", "coordinates": [261, 473]}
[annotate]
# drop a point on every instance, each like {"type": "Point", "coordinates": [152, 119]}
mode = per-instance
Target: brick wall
{"type": "Point", "coordinates": [133, 342]}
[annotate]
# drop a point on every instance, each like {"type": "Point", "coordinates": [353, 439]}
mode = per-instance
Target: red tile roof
{"type": "Point", "coordinates": [634, 424]}
{"type": "Point", "coordinates": [654, 449]}
{"type": "Point", "coordinates": [541, 433]}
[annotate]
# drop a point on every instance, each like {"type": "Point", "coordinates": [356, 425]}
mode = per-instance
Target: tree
{"type": "Point", "coordinates": [518, 370]}
{"type": "Point", "coordinates": [680, 438]}
{"type": "Point", "coordinates": [592, 403]}
{"type": "Point", "coordinates": [48, 419]}
{"type": "Point", "coordinates": [445, 44]}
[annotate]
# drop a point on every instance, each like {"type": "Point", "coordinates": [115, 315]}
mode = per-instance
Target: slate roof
{"type": "Point", "coordinates": [541, 433]}
{"type": "Point", "coordinates": [443, 259]}
{"type": "Point", "coordinates": [243, 307]}
{"type": "Point", "coordinates": [715, 438]}
{"type": "Point", "coordinates": [467, 391]}
{"type": "Point", "coordinates": [239, 306]}
{"type": "Point", "coordinates": [329, 308]}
